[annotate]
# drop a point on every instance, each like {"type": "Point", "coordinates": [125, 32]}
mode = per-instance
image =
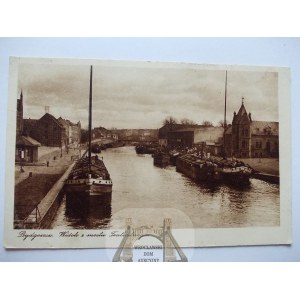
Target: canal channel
{"type": "Point", "coordinates": [138, 185]}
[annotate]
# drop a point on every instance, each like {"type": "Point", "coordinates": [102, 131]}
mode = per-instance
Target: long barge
{"type": "Point", "coordinates": [213, 170]}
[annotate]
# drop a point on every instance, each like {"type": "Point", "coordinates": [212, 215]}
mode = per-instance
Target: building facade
{"type": "Point", "coordinates": [165, 136]}
{"type": "Point", "coordinates": [246, 138]}
{"type": "Point", "coordinates": [47, 130]}
{"type": "Point", "coordinates": [26, 149]}
{"type": "Point", "coordinates": [207, 139]}
{"type": "Point", "coordinates": [72, 130]}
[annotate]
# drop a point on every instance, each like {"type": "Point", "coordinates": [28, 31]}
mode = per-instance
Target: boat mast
{"type": "Point", "coordinates": [225, 122]}
{"type": "Point", "coordinates": [90, 119]}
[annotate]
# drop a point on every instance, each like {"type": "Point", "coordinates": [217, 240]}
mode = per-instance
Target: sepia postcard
{"type": "Point", "coordinates": [101, 154]}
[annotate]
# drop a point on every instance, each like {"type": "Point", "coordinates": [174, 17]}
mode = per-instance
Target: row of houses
{"type": "Point", "coordinates": [46, 131]}
{"type": "Point", "coordinates": [244, 138]}
{"type": "Point", "coordinates": [103, 133]}
{"type": "Point", "coordinates": [52, 132]}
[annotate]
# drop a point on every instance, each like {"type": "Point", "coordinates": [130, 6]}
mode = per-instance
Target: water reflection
{"type": "Point", "coordinates": [139, 184]}
{"type": "Point", "coordinates": [88, 212]}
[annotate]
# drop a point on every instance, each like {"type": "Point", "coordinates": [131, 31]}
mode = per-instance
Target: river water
{"type": "Point", "coordinates": [148, 194]}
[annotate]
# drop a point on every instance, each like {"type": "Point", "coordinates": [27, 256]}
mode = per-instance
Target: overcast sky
{"type": "Point", "coordinates": [142, 95]}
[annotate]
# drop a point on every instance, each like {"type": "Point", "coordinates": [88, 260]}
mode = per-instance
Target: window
{"type": "Point", "coordinates": [258, 145]}
{"type": "Point", "coordinates": [244, 144]}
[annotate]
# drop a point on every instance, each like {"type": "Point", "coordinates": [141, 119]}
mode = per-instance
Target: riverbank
{"type": "Point", "coordinates": [264, 165]}
{"type": "Point", "coordinates": [32, 185]}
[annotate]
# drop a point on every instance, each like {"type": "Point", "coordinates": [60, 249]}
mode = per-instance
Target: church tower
{"type": "Point", "coordinates": [19, 128]}
{"type": "Point", "coordinates": [241, 132]}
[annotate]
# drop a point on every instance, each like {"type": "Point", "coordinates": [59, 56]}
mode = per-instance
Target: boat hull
{"type": "Point", "coordinates": [211, 173]}
{"type": "Point", "coordinates": [94, 189]}
{"type": "Point", "coordinates": [198, 171]}
{"type": "Point", "coordinates": [236, 178]}
{"type": "Point", "coordinates": [161, 160]}
{"type": "Point", "coordinates": [88, 211]}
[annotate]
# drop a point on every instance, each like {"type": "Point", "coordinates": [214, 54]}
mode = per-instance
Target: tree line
{"type": "Point", "coordinates": [185, 121]}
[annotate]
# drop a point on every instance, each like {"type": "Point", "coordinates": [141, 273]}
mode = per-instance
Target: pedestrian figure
{"type": "Point", "coordinates": [47, 163]}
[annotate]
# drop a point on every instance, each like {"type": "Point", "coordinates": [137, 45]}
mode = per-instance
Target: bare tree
{"type": "Point", "coordinates": [186, 121]}
{"type": "Point", "coordinates": [221, 123]}
{"type": "Point", "coordinates": [169, 120]}
{"type": "Point", "coordinates": [207, 123]}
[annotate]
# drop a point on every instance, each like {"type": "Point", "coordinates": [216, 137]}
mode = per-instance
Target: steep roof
{"type": "Point", "coordinates": [264, 128]}
{"type": "Point", "coordinates": [241, 111]}
{"type": "Point", "coordinates": [62, 121]}
{"type": "Point", "coordinates": [51, 117]}
{"type": "Point", "coordinates": [242, 115]}
{"type": "Point", "coordinates": [27, 141]}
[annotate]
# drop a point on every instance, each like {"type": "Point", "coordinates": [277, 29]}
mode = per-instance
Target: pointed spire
{"type": "Point", "coordinates": [21, 95]}
{"type": "Point", "coordinates": [243, 100]}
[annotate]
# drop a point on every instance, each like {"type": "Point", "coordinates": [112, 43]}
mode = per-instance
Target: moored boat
{"type": "Point", "coordinates": [236, 173]}
{"type": "Point", "coordinates": [161, 159]}
{"type": "Point", "coordinates": [173, 157]}
{"type": "Point", "coordinates": [91, 179]}
{"type": "Point", "coordinates": [145, 149]}
{"type": "Point", "coordinates": [89, 175]}
{"type": "Point", "coordinates": [96, 148]}
{"type": "Point", "coordinates": [198, 169]}
{"type": "Point", "coordinates": [213, 170]}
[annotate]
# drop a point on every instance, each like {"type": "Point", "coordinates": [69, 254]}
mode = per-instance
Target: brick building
{"type": "Point", "coordinates": [47, 130]}
{"type": "Point", "coordinates": [248, 138]}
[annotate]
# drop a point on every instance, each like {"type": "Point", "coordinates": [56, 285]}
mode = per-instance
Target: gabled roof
{"type": "Point", "coordinates": [264, 128]}
{"type": "Point", "coordinates": [62, 121]}
{"type": "Point", "coordinates": [27, 141]}
{"type": "Point", "coordinates": [51, 117]}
